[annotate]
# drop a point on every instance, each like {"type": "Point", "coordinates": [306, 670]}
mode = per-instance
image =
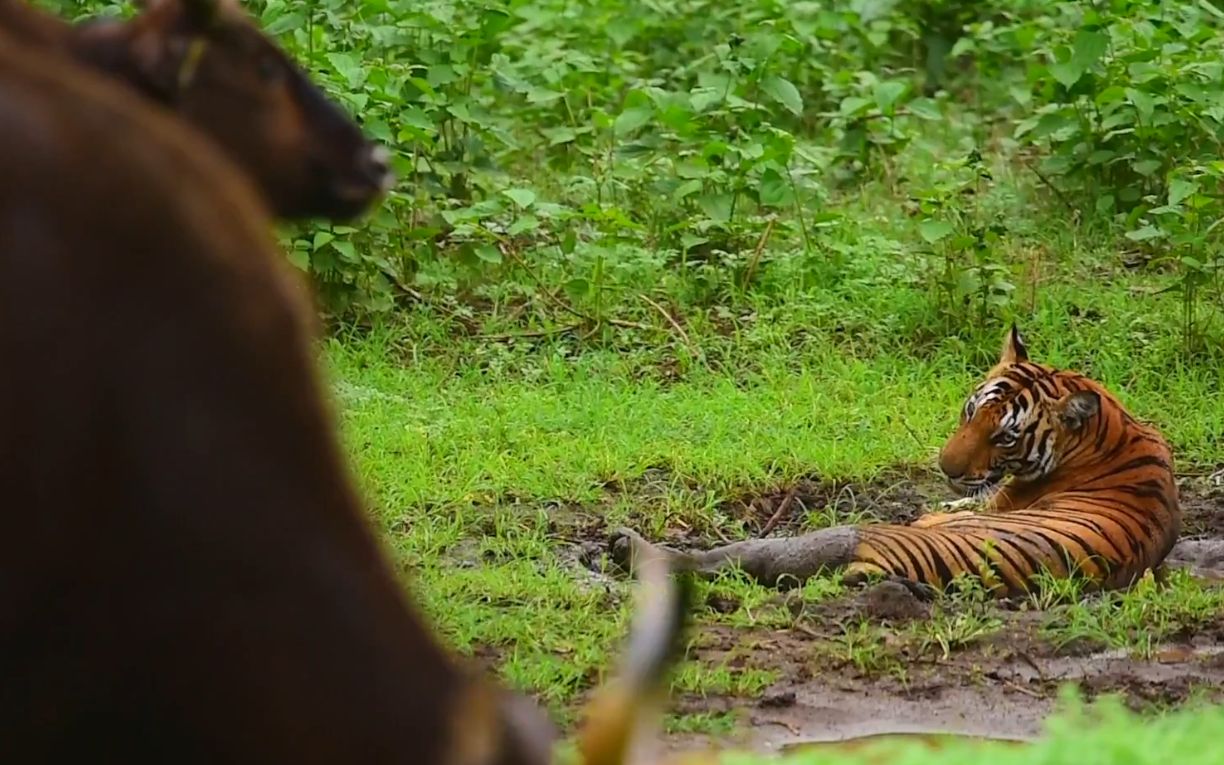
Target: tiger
{"type": "Point", "coordinates": [1091, 489]}
{"type": "Point", "coordinates": [1060, 480]}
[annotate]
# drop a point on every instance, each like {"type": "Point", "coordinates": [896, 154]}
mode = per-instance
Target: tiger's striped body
{"type": "Point", "coordinates": [1092, 489]}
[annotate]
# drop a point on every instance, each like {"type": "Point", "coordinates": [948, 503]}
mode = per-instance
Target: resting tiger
{"type": "Point", "coordinates": [1091, 492]}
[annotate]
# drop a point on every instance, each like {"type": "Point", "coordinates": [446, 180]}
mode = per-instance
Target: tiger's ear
{"type": "Point", "coordinates": [1014, 351]}
{"type": "Point", "coordinates": [1075, 409]}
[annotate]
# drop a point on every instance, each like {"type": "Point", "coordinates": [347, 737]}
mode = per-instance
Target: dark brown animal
{"type": "Point", "coordinates": [209, 63]}
{"type": "Point", "coordinates": [186, 574]}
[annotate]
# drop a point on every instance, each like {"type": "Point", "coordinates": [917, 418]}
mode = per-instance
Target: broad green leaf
{"type": "Point", "coordinates": [717, 207]}
{"type": "Point", "coordinates": [1144, 103]}
{"type": "Point", "coordinates": [299, 258]}
{"type": "Point", "coordinates": [784, 92]}
{"type": "Point", "coordinates": [1146, 167]}
{"type": "Point", "coordinates": [934, 230]}
{"type": "Point", "coordinates": [1088, 48]}
{"type": "Point", "coordinates": [489, 253]}
{"type": "Point", "coordinates": [775, 190]}
{"type": "Point", "coordinates": [686, 188]}
{"type": "Point", "coordinates": [346, 250]}
{"type": "Point", "coordinates": [925, 108]}
{"type": "Point", "coordinates": [1144, 233]}
{"type": "Point", "coordinates": [523, 225]}
{"type": "Point", "coordinates": [521, 197]}
{"type": "Point", "coordinates": [887, 94]}
{"type": "Point", "coordinates": [631, 119]}
{"type": "Point", "coordinates": [321, 238]}
{"type": "Point", "coordinates": [1179, 189]}
{"type": "Point", "coordinates": [1067, 73]}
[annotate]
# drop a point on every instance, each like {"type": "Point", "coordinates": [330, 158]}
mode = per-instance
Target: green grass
{"type": "Point", "coordinates": [499, 446]}
{"type": "Point", "coordinates": [1137, 620]}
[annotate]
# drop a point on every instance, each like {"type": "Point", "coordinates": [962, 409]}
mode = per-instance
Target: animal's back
{"type": "Point", "coordinates": [186, 573]}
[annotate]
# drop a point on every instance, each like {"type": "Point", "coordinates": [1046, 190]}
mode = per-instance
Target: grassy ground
{"type": "Point", "coordinates": [489, 458]}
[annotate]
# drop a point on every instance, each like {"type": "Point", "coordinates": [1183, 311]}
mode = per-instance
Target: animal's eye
{"type": "Point", "coordinates": [1005, 440]}
{"type": "Point", "coordinates": [270, 70]}
{"type": "Point", "coordinates": [969, 410]}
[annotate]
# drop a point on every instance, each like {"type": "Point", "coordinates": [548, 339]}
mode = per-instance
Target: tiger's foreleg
{"type": "Point", "coordinates": [769, 561]}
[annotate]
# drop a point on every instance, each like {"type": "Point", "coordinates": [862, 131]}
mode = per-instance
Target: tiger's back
{"type": "Point", "coordinates": [1092, 489]}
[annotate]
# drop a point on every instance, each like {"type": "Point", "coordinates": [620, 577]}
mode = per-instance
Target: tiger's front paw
{"type": "Point", "coordinates": [963, 502]}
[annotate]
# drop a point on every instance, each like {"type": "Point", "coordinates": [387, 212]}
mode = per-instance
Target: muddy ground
{"type": "Point", "coordinates": [1002, 685]}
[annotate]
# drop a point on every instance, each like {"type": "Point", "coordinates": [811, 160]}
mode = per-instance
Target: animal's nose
{"type": "Point", "coordinates": [375, 165]}
{"type": "Point", "coordinates": [952, 468]}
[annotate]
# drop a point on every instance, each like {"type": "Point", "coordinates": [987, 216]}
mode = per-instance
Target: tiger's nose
{"type": "Point", "coordinates": [952, 468]}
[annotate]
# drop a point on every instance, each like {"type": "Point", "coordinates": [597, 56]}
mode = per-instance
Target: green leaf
{"type": "Point", "coordinates": [934, 230]}
{"type": "Point", "coordinates": [489, 253]}
{"type": "Point", "coordinates": [853, 105]}
{"type": "Point", "coordinates": [521, 197]}
{"type": "Point", "coordinates": [321, 238]}
{"type": "Point", "coordinates": [686, 188]}
{"type": "Point", "coordinates": [346, 249]}
{"type": "Point", "coordinates": [925, 108]}
{"type": "Point", "coordinates": [775, 190]}
{"type": "Point", "coordinates": [1146, 167]}
{"type": "Point", "coordinates": [577, 288]}
{"type": "Point", "coordinates": [1180, 188]}
{"type": "Point", "coordinates": [1088, 49]}
{"type": "Point", "coordinates": [1066, 73]}
{"type": "Point", "coordinates": [523, 225]}
{"type": "Point", "coordinates": [887, 94]}
{"type": "Point", "coordinates": [784, 92]}
{"type": "Point", "coordinates": [717, 207]}
{"type": "Point", "coordinates": [631, 119]}
{"type": "Point", "coordinates": [1144, 233]}
{"type": "Point", "coordinates": [689, 241]}
{"type": "Point", "coordinates": [1144, 104]}
{"type": "Point", "coordinates": [559, 135]}
{"type": "Point", "coordinates": [286, 23]}
{"type": "Point", "coordinates": [299, 258]}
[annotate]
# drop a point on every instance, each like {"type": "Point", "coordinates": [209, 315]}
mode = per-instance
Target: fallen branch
{"type": "Point", "coordinates": [777, 516]}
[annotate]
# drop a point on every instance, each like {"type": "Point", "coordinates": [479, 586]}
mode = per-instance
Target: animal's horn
{"type": "Point", "coordinates": [625, 710]}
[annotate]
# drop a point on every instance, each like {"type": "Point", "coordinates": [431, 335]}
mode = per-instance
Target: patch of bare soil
{"type": "Point", "coordinates": [898, 678]}
{"type": "Point", "coordinates": [1001, 686]}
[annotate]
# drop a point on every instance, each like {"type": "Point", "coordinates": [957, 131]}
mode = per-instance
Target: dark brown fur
{"type": "Point", "coordinates": [187, 575]}
{"type": "Point", "coordinates": [306, 156]}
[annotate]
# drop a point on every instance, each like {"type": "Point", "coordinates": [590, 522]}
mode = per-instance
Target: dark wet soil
{"type": "Point", "coordinates": [1002, 684]}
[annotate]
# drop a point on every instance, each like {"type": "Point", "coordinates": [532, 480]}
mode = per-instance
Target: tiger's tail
{"type": "Point", "coordinates": [618, 720]}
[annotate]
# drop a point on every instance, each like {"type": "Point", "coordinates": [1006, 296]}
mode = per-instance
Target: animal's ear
{"type": "Point", "coordinates": [1014, 351]}
{"type": "Point", "coordinates": [1075, 409]}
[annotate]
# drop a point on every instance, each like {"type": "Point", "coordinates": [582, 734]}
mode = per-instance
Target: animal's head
{"type": "Point", "coordinates": [1016, 424]}
{"type": "Point", "coordinates": [208, 61]}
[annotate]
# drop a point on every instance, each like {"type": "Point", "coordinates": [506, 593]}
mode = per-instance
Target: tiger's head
{"type": "Point", "coordinates": [1016, 423]}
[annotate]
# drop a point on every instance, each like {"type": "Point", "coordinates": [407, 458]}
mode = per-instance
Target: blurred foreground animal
{"type": "Point", "coordinates": [1091, 493]}
{"type": "Point", "coordinates": [208, 62]}
{"type": "Point", "coordinates": [186, 573]}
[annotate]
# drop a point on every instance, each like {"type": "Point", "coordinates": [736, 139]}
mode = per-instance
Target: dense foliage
{"type": "Point", "coordinates": [571, 154]}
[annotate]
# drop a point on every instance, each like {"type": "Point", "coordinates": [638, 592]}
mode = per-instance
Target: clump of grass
{"type": "Point", "coordinates": [1139, 619]}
